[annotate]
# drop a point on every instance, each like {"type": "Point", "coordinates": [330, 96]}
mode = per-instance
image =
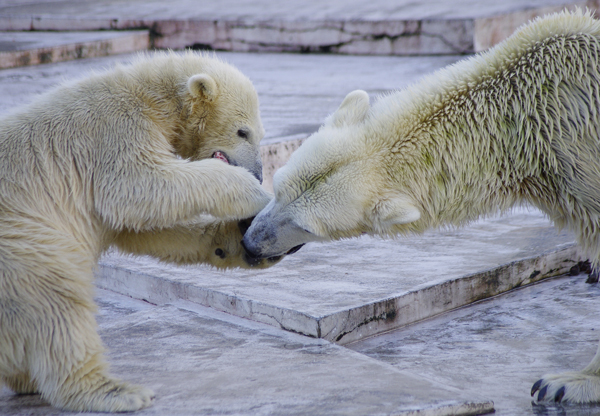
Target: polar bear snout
{"type": "Point", "coordinates": [253, 166]}
{"type": "Point", "coordinates": [255, 260]}
{"type": "Point", "coordinates": [273, 234]}
{"type": "Point", "coordinates": [256, 239]}
{"type": "Point", "coordinates": [251, 255]}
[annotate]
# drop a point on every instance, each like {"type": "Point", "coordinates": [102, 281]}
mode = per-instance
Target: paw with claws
{"type": "Point", "coordinates": [574, 387]}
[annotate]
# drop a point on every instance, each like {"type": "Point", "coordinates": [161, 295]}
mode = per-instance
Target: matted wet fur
{"type": "Point", "coordinates": [517, 124]}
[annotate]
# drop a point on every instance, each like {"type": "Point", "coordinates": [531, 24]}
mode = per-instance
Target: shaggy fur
{"type": "Point", "coordinates": [517, 124]}
{"type": "Point", "coordinates": [120, 158]}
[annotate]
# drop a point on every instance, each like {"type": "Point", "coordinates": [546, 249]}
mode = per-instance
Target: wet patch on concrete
{"type": "Point", "coordinates": [501, 346]}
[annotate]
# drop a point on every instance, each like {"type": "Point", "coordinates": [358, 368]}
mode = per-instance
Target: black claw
{"type": "Point", "coordinates": [574, 271]}
{"type": "Point", "coordinates": [585, 266]}
{"type": "Point", "coordinates": [542, 393]}
{"type": "Point", "coordinates": [536, 386]}
{"type": "Point", "coordinates": [559, 394]}
{"type": "Point", "coordinates": [593, 277]}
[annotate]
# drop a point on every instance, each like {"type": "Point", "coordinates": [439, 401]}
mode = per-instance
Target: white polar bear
{"type": "Point", "coordinates": [142, 157]}
{"type": "Point", "coordinates": [518, 123]}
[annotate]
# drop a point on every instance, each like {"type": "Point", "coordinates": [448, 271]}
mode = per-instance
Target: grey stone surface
{"type": "Point", "coordinates": [355, 27]}
{"type": "Point", "coordinates": [29, 48]}
{"type": "Point", "coordinates": [501, 346]}
{"type": "Point", "coordinates": [351, 289]}
{"type": "Point", "coordinates": [267, 10]}
{"type": "Point", "coordinates": [201, 362]}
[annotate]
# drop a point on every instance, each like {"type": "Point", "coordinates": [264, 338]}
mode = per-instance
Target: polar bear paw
{"type": "Point", "coordinates": [574, 387]}
{"type": "Point", "coordinates": [111, 396]}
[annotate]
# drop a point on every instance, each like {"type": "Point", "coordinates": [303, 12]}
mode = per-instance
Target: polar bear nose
{"type": "Point", "coordinates": [250, 253]}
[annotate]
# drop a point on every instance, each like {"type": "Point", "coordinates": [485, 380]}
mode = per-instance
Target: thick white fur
{"type": "Point", "coordinates": [519, 123]}
{"type": "Point", "coordinates": [119, 158]}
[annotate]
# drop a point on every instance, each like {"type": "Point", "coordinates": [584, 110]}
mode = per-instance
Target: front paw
{"type": "Point", "coordinates": [575, 387]}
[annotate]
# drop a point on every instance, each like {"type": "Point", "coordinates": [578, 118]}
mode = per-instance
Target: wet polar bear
{"type": "Point", "coordinates": [133, 157]}
{"type": "Point", "coordinates": [519, 123]}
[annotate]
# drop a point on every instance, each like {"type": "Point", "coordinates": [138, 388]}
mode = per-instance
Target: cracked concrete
{"type": "Point", "coordinates": [355, 27]}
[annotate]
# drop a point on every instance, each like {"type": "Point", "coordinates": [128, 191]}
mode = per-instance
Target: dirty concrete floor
{"type": "Point", "coordinates": [501, 346]}
{"type": "Point", "coordinates": [202, 362]}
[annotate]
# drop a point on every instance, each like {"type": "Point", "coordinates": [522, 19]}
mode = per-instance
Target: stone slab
{"type": "Point", "coordinates": [498, 348]}
{"type": "Point", "coordinates": [201, 362]}
{"type": "Point", "coordinates": [267, 10]}
{"type": "Point", "coordinates": [356, 27]}
{"type": "Point", "coordinates": [352, 289]}
{"type": "Point", "coordinates": [31, 48]}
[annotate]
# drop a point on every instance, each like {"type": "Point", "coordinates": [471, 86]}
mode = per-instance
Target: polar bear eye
{"type": "Point", "coordinates": [243, 134]}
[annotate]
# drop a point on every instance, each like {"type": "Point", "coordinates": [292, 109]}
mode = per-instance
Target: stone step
{"type": "Point", "coordinates": [368, 28]}
{"type": "Point", "coordinates": [31, 48]}
{"type": "Point", "coordinates": [349, 290]}
{"type": "Point", "coordinates": [499, 347]}
{"type": "Point", "coordinates": [202, 362]}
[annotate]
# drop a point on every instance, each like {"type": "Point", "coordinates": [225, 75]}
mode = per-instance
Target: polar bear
{"type": "Point", "coordinates": [158, 157]}
{"type": "Point", "coordinates": [519, 123]}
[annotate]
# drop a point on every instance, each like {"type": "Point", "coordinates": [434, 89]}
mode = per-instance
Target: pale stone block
{"type": "Point", "coordinates": [178, 34]}
{"type": "Point", "coordinates": [490, 31]}
{"type": "Point", "coordinates": [274, 156]}
{"type": "Point", "coordinates": [9, 23]}
{"type": "Point", "coordinates": [125, 42]}
{"type": "Point", "coordinates": [381, 46]}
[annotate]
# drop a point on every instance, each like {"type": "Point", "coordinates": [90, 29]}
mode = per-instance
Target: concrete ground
{"type": "Point", "coordinates": [360, 327]}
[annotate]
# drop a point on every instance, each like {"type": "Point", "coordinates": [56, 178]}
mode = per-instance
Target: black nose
{"type": "Point", "coordinates": [249, 253]}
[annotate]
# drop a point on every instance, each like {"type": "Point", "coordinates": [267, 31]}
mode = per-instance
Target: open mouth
{"type": "Point", "coordinates": [221, 156]}
{"type": "Point", "coordinates": [294, 249]}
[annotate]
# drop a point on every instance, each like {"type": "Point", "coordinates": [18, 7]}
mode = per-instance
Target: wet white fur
{"type": "Point", "coordinates": [519, 123]}
{"type": "Point", "coordinates": [118, 158]}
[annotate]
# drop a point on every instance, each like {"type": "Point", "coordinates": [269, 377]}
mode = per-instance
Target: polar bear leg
{"type": "Point", "coordinates": [67, 364]}
{"type": "Point", "coordinates": [48, 338]}
{"type": "Point", "coordinates": [21, 384]}
{"type": "Point", "coordinates": [177, 194]}
{"type": "Point", "coordinates": [573, 387]}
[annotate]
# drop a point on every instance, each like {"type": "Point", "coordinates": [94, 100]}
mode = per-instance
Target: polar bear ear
{"type": "Point", "coordinates": [395, 210]}
{"type": "Point", "coordinates": [353, 110]}
{"type": "Point", "coordinates": [203, 86]}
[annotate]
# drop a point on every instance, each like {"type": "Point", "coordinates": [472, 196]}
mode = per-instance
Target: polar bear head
{"type": "Point", "coordinates": [220, 118]}
{"type": "Point", "coordinates": [334, 186]}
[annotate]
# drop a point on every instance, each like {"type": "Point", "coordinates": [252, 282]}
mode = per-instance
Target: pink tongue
{"type": "Point", "coordinates": [220, 156]}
